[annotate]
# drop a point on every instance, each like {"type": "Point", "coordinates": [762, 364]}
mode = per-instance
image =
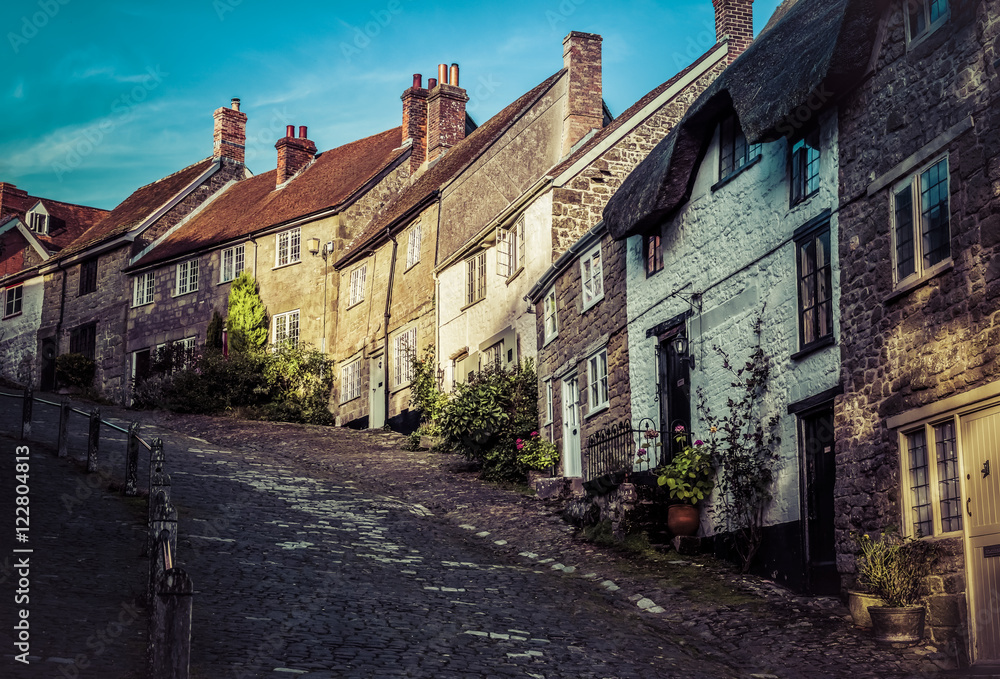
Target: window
{"type": "Point", "coordinates": [356, 294]}
{"type": "Point", "coordinates": [510, 249]}
{"type": "Point", "coordinates": [350, 380]}
{"type": "Point", "coordinates": [492, 356]}
{"type": "Point", "coordinates": [921, 232]}
{"type": "Point", "coordinates": [924, 16]}
{"type": "Point", "coordinates": [186, 349]}
{"type": "Point", "coordinates": [12, 301]}
{"type": "Point", "coordinates": [287, 247]}
{"type": "Point", "coordinates": [549, 316]}
{"type": "Point", "coordinates": [413, 246]}
{"type": "Point", "coordinates": [734, 152]}
{"type": "Point", "coordinates": [142, 292]}
{"type": "Point", "coordinates": [83, 340]}
{"type": "Point", "coordinates": [597, 378]}
{"type": "Point", "coordinates": [815, 287]}
{"type": "Point", "coordinates": [592, 277]}
{"type": "Point", "coordinates": [805, 167]}
{"type": "Point", "coordinates": [231, 263]}
{"type": "Point", "coordinates": [38, 222]}
{"type": "Point", "coordinates": [88, 277]}
{"type": "Point", "coordinates": [475, 285]}
{"type": "Point", "coordinates": [286, 329]}
{"type": "Point", "coordinates": [549, 406]}
{"type": "Point", "coordinates": [187, 277]}
{"type": "Point", "coordinates": [934, 500]}
{"type": "Point", "coordinates": [404, 346]}
{"type": "Point", "coordinates": [653, 252]}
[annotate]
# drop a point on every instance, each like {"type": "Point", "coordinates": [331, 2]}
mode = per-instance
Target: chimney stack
{"type": "Point", "coordinates": [415, 122]}
{"type": "Point", "coordinates": [445, 112]}
{"type": "Point", "coordinates": [584, 105]}
{"type": "Point", "coordinates": [734, 20]}
{"type": "Point", "coordinates": [293, 153]}
{"type": "Point", "coordinates": [230, 134]}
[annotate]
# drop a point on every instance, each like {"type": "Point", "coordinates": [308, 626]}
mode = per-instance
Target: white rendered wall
{"type": "Point", "coordinates": [19, 334]}
{"type": "Point", "coordinates": [734, 247]}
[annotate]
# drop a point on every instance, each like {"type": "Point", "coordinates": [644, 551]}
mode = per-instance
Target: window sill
{"type": "Point", "coordinates": [804, 199]}
{"type": "Point", "coordinates": [514, 275]}
{"type": "Point", "coordinates": [599, 409]}
{"type": "Point", "coordinates": [903, 289]}
{"type": "Point", "coordinates": [594, 302]}
{"type": "Point", "coordinates": [410, 266]}
{"type": "Point", "coordinates": [182, 294]}
{"type": "Point", "coordinates": [352, 305]}
{"type": "Point", "coordinates": [285, 266]}
{"type": "Point", "coordinates": [472, 304]}
{"type": "Point", "coordinates": [725, 180]}
{"type": "Point", "coordinates": [650, 274]}
{"type": "Point", "coordinates": [813, 347]}
{"type": "Point", "coordinates": [136, 306]}
{"type": "Point", "coordinates": [549, 340]}
{"type": "Point", "coordinates": [353, 398]}
{"type": "Point", "coordinates": [14, 315]}
{"type": "Point", "coordinates": [399, 387]}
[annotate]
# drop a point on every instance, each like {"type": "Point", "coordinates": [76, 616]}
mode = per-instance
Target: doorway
{"type": "Point", "coordinates": [376, 395]}
{"type": "Point", "coordinates": [572, 464]}
{"type": "Point", "coordinates": [819, 474]}
{"type": "Point", "coordinates": [674, 391]}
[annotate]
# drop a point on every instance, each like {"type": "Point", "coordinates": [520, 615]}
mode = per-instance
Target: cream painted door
{"type": "Point", "coordinates": [981, 466]}
{"type": "Point", "coordinates": [376, 394]}
{"type": "Point", "coordinates": [572, 464]}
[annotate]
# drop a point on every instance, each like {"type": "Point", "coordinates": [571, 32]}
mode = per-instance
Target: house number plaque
{"type": "Point", "coordinates": [991, 551]}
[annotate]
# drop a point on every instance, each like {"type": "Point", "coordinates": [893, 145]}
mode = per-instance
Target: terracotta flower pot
{"type": "Point", "coordinates": [683, 520]}
{"type": "Point", "coordinates": [897, 625]}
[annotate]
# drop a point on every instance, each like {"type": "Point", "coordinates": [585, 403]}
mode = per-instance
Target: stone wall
{"type": "Point", "coordinates": [18, 334]}
{"type": "Point", "coordinates": [904, 349]}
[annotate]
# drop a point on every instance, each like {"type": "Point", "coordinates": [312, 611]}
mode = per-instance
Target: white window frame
{"type": "Point", "coordinates": [413, 245]}
{"type": "Point", "coordinates": [929, 26]}
{"type": "Point", "coordinates": [143, 288]}
{"type": "Point", "coordinates": [934, 490]}
{"type": "Point", "coordinates": [356, 292]}
{"type": "Point", "coordinates": [549, 401]}
{"type": "Point", "coordinates": [284, 323]}
{"type": "Point", "coordinates": [404, 345]}
{"type": "Point", "coordinates": [475, 278]}
{"type": "Point", "coordinates": [38, 222]}
{"type": "Point", "coordinates": [189, 345]}
{"type": "Point", "coordinates": [186, 277]}
{"type": "Point", "coordinates": [912, 182]}
{"type": "Point", "coordinates": [550, 316]}
{"type": "Point", "coordinates": [591, 277]}
{"type": "Point", "coordinates": [598, 388]}
{"type": "Point", "coordinates": [13, 297]}
{"type": "Point", "coordinates": [492, 355]}
{"type": "Point", "coordinates": [237, 262]}
{"type": "Point", "coordinates": [510, 249]}
{"type": "Point", "coordinates": [288, 247]}
{"type": "Point", "coordinates": [350, 381]}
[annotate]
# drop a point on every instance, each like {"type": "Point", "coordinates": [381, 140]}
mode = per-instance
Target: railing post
{"type": "Point", "coordinates": [63, 428]}
{"type": "Point", "coordinates": [159, 484]}
{"type": "Point", "coordinates": [169, 651]}
{"type": "Point", "coordinates": [93, 440]}
{"type": "Point", "coordinates": [156, 460]}
{"type": "Point", "coordinates": [26, 413]}
{"type": "Point", "coordinates": [132, 461]}
{"type": "Point", "coordinates": [162, 528]}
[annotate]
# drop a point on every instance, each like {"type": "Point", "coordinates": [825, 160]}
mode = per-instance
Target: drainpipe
{"type": "Point", "coordinates": [385, 328]}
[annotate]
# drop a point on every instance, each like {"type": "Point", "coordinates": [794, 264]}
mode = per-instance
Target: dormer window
{"type": "Point", "coordinates": [38, 222]}
{"type": "Point", "coordinates": [734, 151]}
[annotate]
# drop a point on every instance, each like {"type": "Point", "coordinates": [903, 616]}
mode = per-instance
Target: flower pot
{"type": "Point", "coordinates": [858, 603]}
{"type": "Point", "coordinates": [897, 625]}
{"type": "Point", "coordinates": [683, 520]}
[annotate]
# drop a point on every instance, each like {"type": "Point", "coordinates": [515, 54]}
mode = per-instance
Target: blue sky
{"type": "Point", "coordinates": [100, 97]}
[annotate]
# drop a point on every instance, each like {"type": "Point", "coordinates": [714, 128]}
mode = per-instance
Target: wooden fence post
{"type": "Point", "coordinates": [170, 626]}
{"type": "Point", "coordinates": [63, 428]}
{"type": "Point", "coordinates": [132, 461]}
{"type": "Point", "coordinates": [93, 440]}
{"type": "Point", "coordinates": [29, 399]}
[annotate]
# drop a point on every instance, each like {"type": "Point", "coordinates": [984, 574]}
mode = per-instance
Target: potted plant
{"type": "Point", "coordinates": [891, 567]}
{"type": "Point", "coordinates": [688, 479]}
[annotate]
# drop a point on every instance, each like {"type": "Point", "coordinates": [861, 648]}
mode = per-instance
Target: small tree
{"type": "Point", "coordinates": [425, 393]}
{"type": "Point", "coordinates": [213, 336]}
{"type": "Point", "coordinates": [247, 315]}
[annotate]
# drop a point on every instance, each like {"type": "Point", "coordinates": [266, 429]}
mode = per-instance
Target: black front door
{"type": "Point", "coordinates": [48, 372]}
{"type": "Point", "coordinates": [675, 392]}
{"type": "Point", "coordinates": [819, 465]}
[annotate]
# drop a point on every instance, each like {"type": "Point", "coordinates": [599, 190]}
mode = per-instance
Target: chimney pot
{"type": "Point", "coordinates": [236, 103]}
{"type": "Point", "coordinates": [443, 74]}
{"type": "Point", "coordinates": [289, 130]}
{"type": "Point", "coordinates": [453, 79]}
{"type": "Point", "coordinates": [302, 132]}
{"type": "Point", "coordinates": [445, 113]}
{"type": "Point", "coordinates": [418, 80]}
{"type": "Point", "coordinates": [432, 83]}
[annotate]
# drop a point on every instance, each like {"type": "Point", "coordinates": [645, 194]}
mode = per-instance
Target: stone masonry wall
{"type": "Point", "coordinates": [903, 350]}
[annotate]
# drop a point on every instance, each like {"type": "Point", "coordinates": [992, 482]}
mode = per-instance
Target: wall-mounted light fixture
{"type": "Point", "coordinates": [313, 244]}
{"type": "Point", "coordinates": [680, 344]}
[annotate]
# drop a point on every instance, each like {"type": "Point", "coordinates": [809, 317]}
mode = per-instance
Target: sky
{"type": "Point", "coordinates": [100, 97]}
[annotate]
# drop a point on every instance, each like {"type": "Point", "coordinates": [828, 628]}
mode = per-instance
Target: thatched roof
{"type": "Point", "coordinates": [814, 52]}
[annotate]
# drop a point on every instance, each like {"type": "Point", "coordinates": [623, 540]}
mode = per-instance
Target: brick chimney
{"type": "Point", "coordinates": [293, 153]}
{"type": "Point", "coordinates": [12, 199]}
{"type": "Point", "coordinates": [734, 20]}
{"type": "Point", "coordinates": [230, 133]}
{"type": "Point", "coordinates": [445, 112]}
{"type": "Point", "coordinates": [415, 122]}
{"type": "Point", "coordinates": [584, 106]}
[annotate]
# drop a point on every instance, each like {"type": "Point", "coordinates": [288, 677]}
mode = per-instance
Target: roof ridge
{"type": "Point", "coordinates": [168, 176]}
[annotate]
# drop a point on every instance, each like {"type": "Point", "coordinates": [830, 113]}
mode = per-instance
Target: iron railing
{"type": "Point", "coordinates": [622, 448]}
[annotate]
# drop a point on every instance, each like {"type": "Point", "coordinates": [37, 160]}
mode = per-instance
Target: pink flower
{"type": "Point", "coordinates": [520, 444]}
{"type": "Point", "coordinates": [698, 442]}
{"type": "Point", "coordinates": [534, 433]}
{"type": "Point", "coordinates": [679, 427]}
{"type": "Point", "coordinates": [642, 452]}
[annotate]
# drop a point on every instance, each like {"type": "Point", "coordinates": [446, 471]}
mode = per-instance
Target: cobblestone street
{"type": "Point", "coordinates": [319, 552]}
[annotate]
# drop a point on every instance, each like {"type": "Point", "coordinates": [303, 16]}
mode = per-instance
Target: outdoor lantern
{"type": "Point", "coordinates": [680, 344]}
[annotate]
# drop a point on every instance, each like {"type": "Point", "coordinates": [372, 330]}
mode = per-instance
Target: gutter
{"type": "Point", "coordinates": [564, 261]}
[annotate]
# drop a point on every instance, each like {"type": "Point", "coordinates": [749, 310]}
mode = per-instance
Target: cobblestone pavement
{"type": "Point", "coordinates": [320, 552]}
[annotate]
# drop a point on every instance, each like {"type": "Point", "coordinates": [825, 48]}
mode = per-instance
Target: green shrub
{"type": "Point", "coordinates": [536, 453]}
{"type": "Point", "coordinates": [425, 394]}
{"type": "Point", "coordinates": [247, 318]}
{"type": "Point", "coordinates": [75, 370]}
